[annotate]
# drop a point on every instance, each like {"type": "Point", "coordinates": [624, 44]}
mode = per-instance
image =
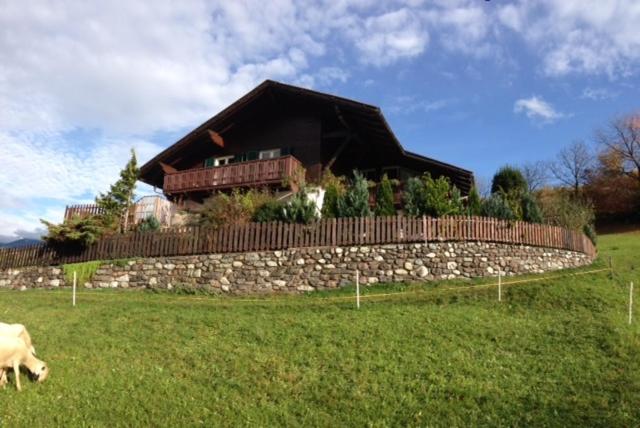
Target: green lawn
{"type": "Point", "coordinates": [555, 352]}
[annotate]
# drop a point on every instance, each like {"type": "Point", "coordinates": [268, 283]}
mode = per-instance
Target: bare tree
{"type": "Point", "coordinates": [572, 165]}
{"type": "Point", "coordinates": [536, 174]}
{"type": "Point", "coordinates": [622, 137]}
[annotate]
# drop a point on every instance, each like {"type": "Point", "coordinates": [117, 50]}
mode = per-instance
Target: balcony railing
{"type": "Point", "coordinates": [244, 174]}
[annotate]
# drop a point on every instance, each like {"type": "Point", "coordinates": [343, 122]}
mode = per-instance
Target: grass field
{"type": "Point", "coordinates": [555, 352]}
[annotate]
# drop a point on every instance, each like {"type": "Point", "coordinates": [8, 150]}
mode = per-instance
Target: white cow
{"type": "Point", "coordinates": [14, 353]}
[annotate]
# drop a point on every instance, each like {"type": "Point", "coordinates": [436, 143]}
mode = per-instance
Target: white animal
{"type": "Point", "coordinates": [17, 330]}
{"type": "Point", "coordinates": [14, 353]}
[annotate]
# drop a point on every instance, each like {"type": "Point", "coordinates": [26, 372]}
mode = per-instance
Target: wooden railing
{"type": "Point", "coordinates": [252, 173]}
{"type": "Point", "coordinates": [324, 233]}
{"type": "Point", "coordinates": [81, 210]}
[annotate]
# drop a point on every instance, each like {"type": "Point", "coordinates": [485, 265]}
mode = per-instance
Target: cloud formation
{"type": "Point", "coordinates": [537, 109]}
{"type": "Point", "coordinates": [82, 82]}
{"type": "Point", "coordinates": [578, 36]}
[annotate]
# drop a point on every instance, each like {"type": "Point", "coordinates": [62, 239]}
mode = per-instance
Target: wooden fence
{"type": "Point", "coordinates": [324, 233]}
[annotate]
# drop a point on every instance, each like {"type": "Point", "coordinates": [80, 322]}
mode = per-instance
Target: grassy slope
{"type": "Point", "coordinates": [556, 352]}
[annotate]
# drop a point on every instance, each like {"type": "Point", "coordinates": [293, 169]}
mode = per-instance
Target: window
{"type": "Point", "coordinates": [270, 154]}
{"type": "Point", "coordinates": [218, 161]}
{"type": "Point", "coordinates": [222, 160]}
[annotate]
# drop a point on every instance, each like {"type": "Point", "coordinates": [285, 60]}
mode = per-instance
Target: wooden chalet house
{"type": "Point", "coordinates": [277, 130]}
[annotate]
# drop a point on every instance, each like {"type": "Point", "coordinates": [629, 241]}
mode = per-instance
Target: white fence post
{"type": "Point", "coordinates": [74, 287]}
{"type": "Point", "coordinates": [357, 288]}
{"type": "Point", "coordinates": [630, 301]}
{"type": "Point", "coordinates": [499, 285]}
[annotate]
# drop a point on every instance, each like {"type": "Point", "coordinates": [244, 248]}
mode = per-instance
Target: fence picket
{"type": "Point", "coordinates": [325, 232]}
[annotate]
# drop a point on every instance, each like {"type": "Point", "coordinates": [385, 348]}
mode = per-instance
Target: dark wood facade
{"type": "Point", "coordinates": [313, 130]}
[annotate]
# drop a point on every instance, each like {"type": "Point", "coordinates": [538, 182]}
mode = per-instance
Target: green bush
{"type": "Point", "coordinates": [413, 197]}
{"type": "Point", "coordinates": [384, 198]}
{"type": "Point", "coordinates": [270, 211]}
{"type": "Point", "coordinates": [334, 190]}
{"type": "Point", "coordinates": [562, 208]}
{"type": "Point", "coordinates": [436, 198]}
{"type": "Point", "coordinates": [223, 209]}
{"type": "Point", "coordinates": [531, 211]}
{"type": "Point", "coordinates": [75, 233]}
{"type": "Point", "coordinates": [149, 224]}
{"type": "Point", "coordinates": [84, 271]}
{"type": "Point", "coordinates": [590, 231]}
{"type": "Point", "coordinates": [300, 209]}
{"type": "Point", "coordinates": [497, 206]}
{"type": "Point", "coordinates": [474, 203]}
{"type": "Point", "coordinates": [355, 202]}
{"type": "Point", "coordinates": [509, 179]}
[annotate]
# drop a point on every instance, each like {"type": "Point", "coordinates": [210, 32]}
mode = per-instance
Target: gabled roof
{"type": "Point", "coordinates": [365, 116]}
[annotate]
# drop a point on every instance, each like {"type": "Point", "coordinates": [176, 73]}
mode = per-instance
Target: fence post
{"type": "Point", "coordinates": [74, 287]}
{"type": "Point", "coordinates": [499, 285]}
{"type": "Point", "coordinates": [630, 301]}
{"type": "Point", "coordinates": [357, 288]}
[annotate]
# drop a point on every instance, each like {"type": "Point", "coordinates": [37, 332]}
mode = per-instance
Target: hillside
{"type": "Point", "coordinates": [554, 352]}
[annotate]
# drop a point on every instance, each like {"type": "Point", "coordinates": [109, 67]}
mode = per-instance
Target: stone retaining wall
{"type": "Point", "coordinates": [299, 270]}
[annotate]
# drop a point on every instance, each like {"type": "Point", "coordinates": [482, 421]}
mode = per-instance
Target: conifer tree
{"type": "Point", "coordinates": [116, 202]}
{"type": "Point", "coordinates": [384, 198]}
{"type": "Point", "coordinates": [474, 203]}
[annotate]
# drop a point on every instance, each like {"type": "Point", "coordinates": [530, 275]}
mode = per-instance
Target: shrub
{"type": "Point", "coordinates": [413, 197]}
{"type": "Point", "coordinates": [355, 202]}
{"type": "Point", "coordinates": [76, 233]}
{"type": "Point", "coordinates": [384, 198]}
{"type": "Point", "coordinates": [270, 211]}
{"type": "Point", "coordinates": [300, 209]}
{"type": "Point", "coordinates": [590, 231]}
{"type": "Point", "coordinates": [530, 209]}
{"type": "Point", "coordinates": [561, 208]}
{"type": "Point", "coordinates": [334, 190]}
{"type": "Point", "coordinates": [498, 207]}
{"type": "Point", "coordinates": [441, 197]}
{"type": "Point", "coordinates": [474, 203]}
{"type": "Point", "coordinates": [222, 209]}
{"type": "Point", "coordinates": [84, 271]}
{"type": "Point", "coordinates": [509, 179]}
{"type": "Point", "coordinates": [431, 197]}
{"type": "Point", "coordinates": [149, 224]}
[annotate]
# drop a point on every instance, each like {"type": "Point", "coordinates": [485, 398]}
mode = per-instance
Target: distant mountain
{"type": "Point", "coordinates": [20, 243]}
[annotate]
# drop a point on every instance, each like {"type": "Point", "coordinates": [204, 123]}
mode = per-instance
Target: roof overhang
{"type": "Point", "coordinates": [365, 117]}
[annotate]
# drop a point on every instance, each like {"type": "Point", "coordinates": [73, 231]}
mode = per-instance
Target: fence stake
{"type": "Point", "coordinates": [630, 301]}
{"type": "Point", "coordinates": [499, 285]}
{"type": "Point", "coordinates": [357, 288]}
{"type": "Point", "coordinates": [74, 287]}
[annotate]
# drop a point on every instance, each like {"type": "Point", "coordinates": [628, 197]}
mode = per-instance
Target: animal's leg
{"type": "Point", "coordinates": [3, 378]}
{"type": "Point", "coordinates": [16, 372]}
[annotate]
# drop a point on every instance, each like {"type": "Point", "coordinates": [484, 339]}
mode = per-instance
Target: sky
{"type": "Point", "coordinates": [475, 83]}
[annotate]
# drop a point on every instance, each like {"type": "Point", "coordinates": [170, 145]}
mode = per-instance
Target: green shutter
{"type": "Point", "coordinates": [208, 163]}
{"type": "Point", "coordinates": [252, 155]}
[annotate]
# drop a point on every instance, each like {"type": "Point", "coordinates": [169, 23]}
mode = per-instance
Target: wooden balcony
{"type": "Point", "coordinates": [245, 174]}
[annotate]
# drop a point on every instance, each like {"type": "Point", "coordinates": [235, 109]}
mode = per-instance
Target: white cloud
{"type": "Point", "coordinates": [598, 94]}
{"type": "Point", "coordinates": [537, 109]}
{"type": "Point", "coordinates": [387, 38]}
{"type": "Point", "coordinates": [56, 170]}
{"type": "Point", "coordinates": [464, 27]}
{"type": "Point", "coordinates": [579, 36]}
{"type": "Point", "coordinates": [410, 104]}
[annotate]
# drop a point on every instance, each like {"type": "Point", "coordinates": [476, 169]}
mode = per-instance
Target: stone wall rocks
{"type": "Point", "coordinates": [307, 269]}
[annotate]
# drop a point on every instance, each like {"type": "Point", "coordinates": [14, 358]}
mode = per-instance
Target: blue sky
{"type": "Point", "coordinates": [472, 82]}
